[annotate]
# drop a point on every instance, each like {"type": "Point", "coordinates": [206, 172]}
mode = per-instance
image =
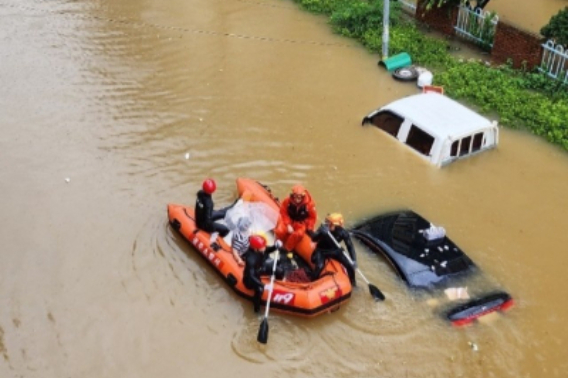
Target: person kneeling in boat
{"type": "Point", "coordinates": [327, 247]}
{"type": "Point", "coordinates": [255, 259]}
{"type": "Point", "coordinates": [297, 217]}
{"type": "Point", "coordinates": [205, 216]}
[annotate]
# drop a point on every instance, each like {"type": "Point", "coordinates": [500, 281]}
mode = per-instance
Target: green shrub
{"type": "Point", "coordinates": [355, 18]}
{"type": "Point", "coordinates": [424, 50]}
{"type": "Point", "coordinates": [321, 6]}
{"type": "Point", "coordinates": [504, 91]}
{"type": "Point", "coordinates": [483, 30]}
{"type": "Point", "coordinates": [557, 28]}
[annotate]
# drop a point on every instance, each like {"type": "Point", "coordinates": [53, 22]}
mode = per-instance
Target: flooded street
{"type": "Point", "coordinates": [100, 103]}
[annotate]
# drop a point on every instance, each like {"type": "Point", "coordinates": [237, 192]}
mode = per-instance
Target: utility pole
{"type": "Point", "coordinates": [386, 11]}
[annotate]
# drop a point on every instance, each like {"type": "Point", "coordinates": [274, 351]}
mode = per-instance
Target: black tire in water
{"type": "Point", "coordinates": [405, 74]}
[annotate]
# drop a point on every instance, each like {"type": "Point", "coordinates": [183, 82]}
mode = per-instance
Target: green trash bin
{"type": "Point", "coordinates": [396, 61]}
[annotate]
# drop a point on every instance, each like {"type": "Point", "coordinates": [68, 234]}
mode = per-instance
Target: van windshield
{"type": "Point", "coordinates": [388, 122]}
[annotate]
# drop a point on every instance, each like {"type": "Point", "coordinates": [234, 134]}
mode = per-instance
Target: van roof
{"type": "Point", "coordinates": [439, 115]}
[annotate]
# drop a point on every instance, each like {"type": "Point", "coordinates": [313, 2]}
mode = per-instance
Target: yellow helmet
{"type": "Point", "coordinates": [335, 219]}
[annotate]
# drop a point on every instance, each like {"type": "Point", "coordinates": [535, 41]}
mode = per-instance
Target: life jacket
{"type": "Point", "coordinates": [303, 212]}
{"type": "Point", "coordinates": [297, 213]}
{"type": "Point", "coordinates": [203, 211]}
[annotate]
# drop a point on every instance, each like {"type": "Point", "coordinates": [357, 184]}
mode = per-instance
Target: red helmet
{"type": "Point", "coordinates": [209, 186]}
{"type": "Point", "coordinates": [257, 242]}
{"type": "Point", "coordinates": [298, 190]}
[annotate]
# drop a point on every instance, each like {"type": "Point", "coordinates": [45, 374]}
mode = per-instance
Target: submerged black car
{"type": "Point", "coordinates": [426, 259]}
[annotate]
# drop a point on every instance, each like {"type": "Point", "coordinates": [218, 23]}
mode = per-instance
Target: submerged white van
{"type": "Point", "coordinates": [436, 127]}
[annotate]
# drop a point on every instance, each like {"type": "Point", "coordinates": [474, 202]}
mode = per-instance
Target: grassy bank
{"type": "Point", "coordinates": [526, 100]}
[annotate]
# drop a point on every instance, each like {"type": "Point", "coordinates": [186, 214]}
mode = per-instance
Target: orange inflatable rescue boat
{"type": "Point", "coordinates": [307, 299]}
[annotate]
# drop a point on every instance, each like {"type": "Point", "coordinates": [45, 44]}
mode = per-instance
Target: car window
{"type": "Point", "coordinates": [388, 122]}
{"type": "Point", "coordinates": [420, 140]}
{"type": "Point", "coordinates": [455, 145]}
{"type": "Point", "coordinates": [464, 148]}
{"type": "Point", "coordinates": [477, 141]}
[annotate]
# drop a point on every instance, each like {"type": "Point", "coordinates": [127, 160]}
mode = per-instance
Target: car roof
{"type": "Point", "coordinates": [439, 115]}
{"type": "Point", "coordinates": [420, 262]}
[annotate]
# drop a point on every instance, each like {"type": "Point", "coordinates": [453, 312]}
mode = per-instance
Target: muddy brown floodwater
{"type": "Point", "coordinates": [100, 103]}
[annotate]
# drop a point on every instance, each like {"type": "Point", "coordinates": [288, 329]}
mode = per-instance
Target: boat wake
{"type": "Point", "coordinates": [289, 339]}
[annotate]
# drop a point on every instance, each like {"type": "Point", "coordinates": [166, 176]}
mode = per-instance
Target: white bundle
{"type": "Point", "coordinates": [434, 232]}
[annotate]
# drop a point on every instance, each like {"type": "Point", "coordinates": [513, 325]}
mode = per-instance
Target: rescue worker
{"type": "Point", "coordinates": [297, 217]}
{"type": "Point", "coordinates": [255, 259]}
{"type": "Point", "coordinates": [205, 216]}
{"type": "Point", "coordinates": [326, 247]}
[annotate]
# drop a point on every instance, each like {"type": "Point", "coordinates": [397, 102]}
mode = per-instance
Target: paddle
{"type": "Point", "coordinates": [263, 330]}
{"type": "Point", "coordinates": [375, 292]}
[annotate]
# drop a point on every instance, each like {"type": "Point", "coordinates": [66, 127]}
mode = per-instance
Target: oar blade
{"type": "Point", "coordinates": [376, 293]}
{"type": "Point", "coordinates": [263, 332]}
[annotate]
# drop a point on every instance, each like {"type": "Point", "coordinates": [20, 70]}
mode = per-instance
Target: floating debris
{"type": "Point", "coordinates": [454, 293]}
{"type": "Point", "coordinates": [67, 179]}
{"type": "Point", "coordinates": [187, 155]}
{"type": "Point", "coordinates": [473, 346]}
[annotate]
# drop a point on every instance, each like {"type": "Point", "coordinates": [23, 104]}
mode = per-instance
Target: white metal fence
{"type": "Point", "coordinates": [477, 25]}
{"type": "Point", "coordinates": [554, 61]}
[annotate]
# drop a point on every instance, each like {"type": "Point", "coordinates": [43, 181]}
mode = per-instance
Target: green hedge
{"type": "Point", "coordinates": [506, 92]}
{"type": "Point", "coordinates": [557, 28]}
{"type": "Point", "coordinates": [527, 100]}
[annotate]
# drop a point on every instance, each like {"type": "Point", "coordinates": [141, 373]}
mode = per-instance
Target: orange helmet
{"type": "Point", "coordinates": [335, 219]}
{"type": "Point", "coordinates": [209, 186]}
{"type": "Point", "coordinates": [298, 190]}
{"type": "Point", "coordinates": [257, 242]}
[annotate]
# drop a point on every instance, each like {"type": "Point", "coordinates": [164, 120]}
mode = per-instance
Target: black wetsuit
{"type": "Point", "coordinates": [327, 249]}
{"type": "Point", "coordinates": [205, 216]}
{"type": "Point", "coordinates": [254, 267]}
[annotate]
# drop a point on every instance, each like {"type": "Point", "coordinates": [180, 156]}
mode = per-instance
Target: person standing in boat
{"type": "Point", "coordinates": [297, 217]}
{"type": "Point", "coordinates": [255, 259]}
{"type": "Point", "coordinates": [327, 248]}
{"type": "Point", "coordinates": [205, 216]}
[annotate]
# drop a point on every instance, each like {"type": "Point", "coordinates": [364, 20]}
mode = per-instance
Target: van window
{"type": "Point", "coordinates": [420, 140]}
{"type": "Point", "coordinates": [464, 148]}
{"type": "Point", "coordinates": [477, 140]}
{"type": "Point", "coordinates": [454, 151]}
{"type": "Point", "coordinates": [388, 122]}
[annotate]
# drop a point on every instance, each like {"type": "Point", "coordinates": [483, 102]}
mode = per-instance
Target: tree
{"type": "Point", "coordinates": [557, 28]}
